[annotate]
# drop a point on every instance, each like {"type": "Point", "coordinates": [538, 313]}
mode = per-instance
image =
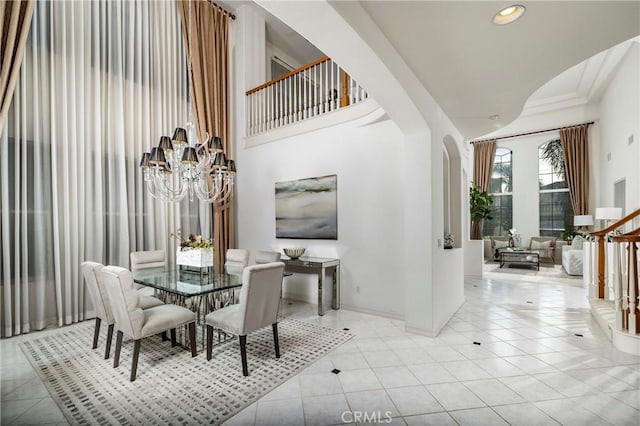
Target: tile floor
{"type": "Point", "coordinates": [541, 360]}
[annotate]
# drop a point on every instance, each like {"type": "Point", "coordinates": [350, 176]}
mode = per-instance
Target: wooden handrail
{"type": "Point", "coordinates": [601, 249]}
{"type": "Point", "coordinates": [616, 225]}
{"type": "Point", "coordinates": [289, 74]}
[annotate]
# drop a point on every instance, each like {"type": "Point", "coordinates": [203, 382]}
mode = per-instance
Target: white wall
{"type": "Point", "coordinates": [421, 126]}
{"type": "Point", "coordinates": [370, 240]}
{"type": "Point", "coordinates": [619, 111]}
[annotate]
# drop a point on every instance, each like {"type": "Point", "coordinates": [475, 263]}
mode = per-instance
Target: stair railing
{"type": "Point", "coordinates": [601, 237]}
{"type": "Point", "coordinates": [312, 90]}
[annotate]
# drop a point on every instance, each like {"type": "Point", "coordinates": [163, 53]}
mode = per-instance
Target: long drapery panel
{"type": "Point", "coordinates": [483, 155]}
{"type": "Point", "coordinates": [206, 35]}
{"type": "Point", "coordinates": [15, 20]}
{"type": "Point", "coordinates": [99, 84]}
{"type": "Point", "coordinates": [575, 150]}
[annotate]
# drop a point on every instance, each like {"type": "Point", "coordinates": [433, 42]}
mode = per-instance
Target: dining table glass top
{"type": "Point", "coordinates": [188, 282]}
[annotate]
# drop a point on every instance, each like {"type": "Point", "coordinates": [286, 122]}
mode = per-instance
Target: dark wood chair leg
{"type": "Point", "coordinates": [275, 338]}
{"type": "Point", "coordinates": [107, 349]}
{"type": "Point", "coordinates": [243, 355]}
{"type": "Point", "coordinates": [134, 360]}
{"type": "Point", "coordinates": [116, 357]}
{"type": "Point", "coordinates": [164, 336]}
{"type": "Point", "coordinates": [96, 333]}
{"type": "Point", "coordinates": [192, 338]}
{"type": "Point", "coordinates": [173, 337]}
{"type": "Point", "coordinates": [209, 342]}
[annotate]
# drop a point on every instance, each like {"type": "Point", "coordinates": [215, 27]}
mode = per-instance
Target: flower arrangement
{"type": "Point", "coordinates": [514, 237]}
{"type": "Point", "coordinates": [193, 241]}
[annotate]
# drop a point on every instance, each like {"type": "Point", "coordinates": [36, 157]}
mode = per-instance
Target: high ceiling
{"type": "Point", "coordinates": [477, 71]}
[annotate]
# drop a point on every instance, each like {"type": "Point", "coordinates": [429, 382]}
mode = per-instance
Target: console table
{"type": "Point", "coordinates": [318, 265]}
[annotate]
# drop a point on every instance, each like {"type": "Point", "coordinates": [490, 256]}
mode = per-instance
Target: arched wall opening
{"type": "Point", "coordinates": [452, 191]}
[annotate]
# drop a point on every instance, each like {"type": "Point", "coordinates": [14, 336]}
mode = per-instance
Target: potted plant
{"type": "Point", "coordinates": [194, 250]}
{"type": "Point", "coordinates": [480, 203]}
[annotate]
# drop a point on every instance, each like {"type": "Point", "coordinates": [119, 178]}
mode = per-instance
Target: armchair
{"type": "Point", "coordinates": [498, 243]}
{"type": "Point", "coordinates": [546, 246]}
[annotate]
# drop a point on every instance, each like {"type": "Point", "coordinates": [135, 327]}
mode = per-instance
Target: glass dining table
{"type": "Point", "coordinates": [202, 293]}
{"type": "Point", "coordinates": [195, 290]}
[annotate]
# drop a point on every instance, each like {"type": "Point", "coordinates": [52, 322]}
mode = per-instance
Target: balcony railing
{"type": "Point", "coordinates": [312, 90]}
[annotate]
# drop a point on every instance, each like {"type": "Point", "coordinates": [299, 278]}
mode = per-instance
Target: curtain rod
{"type": "Point", "coordinates": [531, 133]}
{"type": "Point", "coordinates": [223, 10]}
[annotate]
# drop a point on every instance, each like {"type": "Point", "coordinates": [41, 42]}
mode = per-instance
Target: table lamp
{"type": "Point", "coordinates": [582, 220]}
{"type": "Point", "coordinates": [608, 214]}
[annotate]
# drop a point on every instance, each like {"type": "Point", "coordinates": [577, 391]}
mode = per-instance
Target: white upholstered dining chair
{"type": "Point", "coordinates": [144, 260]}
{"type": "Point", "coordinates": [264, 256]}
{"type": "Point", "coordinates": [258, 308]}
{"type": "Point", "coordinates": [235, 262]}
{"type": "Point", "coordinates": [133, 322]}
{"type": "Point", "coordinates": [92, 273]}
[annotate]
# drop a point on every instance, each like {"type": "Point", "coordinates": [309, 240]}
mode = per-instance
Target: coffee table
{"type": "Point", "coordinates": [520, 257]}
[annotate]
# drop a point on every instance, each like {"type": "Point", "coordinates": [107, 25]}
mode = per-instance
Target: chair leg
{"type": "Point", "coordinates": [164, 336]}
{"type": "Point", "coordinates": [107, 349]}
{"type": "Point", "coordinates": [173, 337]}
{"type": "Point", "coordinates": [275, 338]}
{"type": "Point", "coordinates": [116, 357]}
{"type": "Point", "coordinates": [209, 342]}
{"type": "Point", "coordinates": [96, 333]}
{"type": "Point", "coordinates": [192, 338]}
{"type": "Point", "coordinates": [243, 355]}
{"type": "Point", "coordinates": [134, 360]}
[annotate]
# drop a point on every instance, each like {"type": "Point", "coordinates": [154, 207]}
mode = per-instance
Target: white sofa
{"type": "Point", "coordinates": [572, 260]}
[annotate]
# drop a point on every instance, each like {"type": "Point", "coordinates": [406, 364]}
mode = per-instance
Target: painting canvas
{"type": "Point", "coordinates": [307, 208]}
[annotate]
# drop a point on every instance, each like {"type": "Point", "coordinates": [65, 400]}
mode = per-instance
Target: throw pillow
{"type": "Point", "coordinates": [500, 244]}
{"type": "Point", "coordinates": [577, 243]}
{"type": "Point", "coordinates": [540, 245]}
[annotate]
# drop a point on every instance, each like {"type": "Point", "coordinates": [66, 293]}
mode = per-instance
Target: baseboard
{"type": "Point", "coordinates": [434, 333]}
{"type": "Point", "coordinates": [390, 315]}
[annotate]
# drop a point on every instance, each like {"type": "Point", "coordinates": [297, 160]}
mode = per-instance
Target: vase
{"type": "Point", "coordinates": [448, 240]}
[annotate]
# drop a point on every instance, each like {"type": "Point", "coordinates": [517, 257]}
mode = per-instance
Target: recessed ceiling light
{"type": "Point", "coordinates": [494, 117]}
{"type": "Point", "coordinates": [509, 14]}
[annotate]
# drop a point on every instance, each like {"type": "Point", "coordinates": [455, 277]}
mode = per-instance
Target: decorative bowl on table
{"type": "Point", "coordinates": [295, 252]}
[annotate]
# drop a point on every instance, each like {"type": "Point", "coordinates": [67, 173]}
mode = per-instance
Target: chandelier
{"type": "Point", "coordinates": [174, 169]}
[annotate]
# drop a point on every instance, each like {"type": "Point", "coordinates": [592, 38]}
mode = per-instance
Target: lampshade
{"type": "Point", "coordinates": [583, 220]}
{"type": "Point", "coordinates": [180, 136]}
{"type": "Point", "coordinates": [157, 156]}
{"type": "Point", "coordinates": [144, 161]}
{"type": "Point", "coordinates": [609, 213]}
{"type": "Point", "coordinates": [231, 166]}
{"type": "Point", "coordinates": [219, 161]}
{"type": "Point", "coordinates": [165, 144]}
{"type": "Point", "coordinates": [215, 144]}
{"type": "Point", "coordinates": [189, 156]}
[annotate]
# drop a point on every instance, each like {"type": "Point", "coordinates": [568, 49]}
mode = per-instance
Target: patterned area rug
{"type": "Point", "coordinates": [171, 387]}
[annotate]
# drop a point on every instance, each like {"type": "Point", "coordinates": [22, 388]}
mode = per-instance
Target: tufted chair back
{"type": "Point", "coordinates": [125, 301]}
{"type": "Point", "coordinates": [92, 273]}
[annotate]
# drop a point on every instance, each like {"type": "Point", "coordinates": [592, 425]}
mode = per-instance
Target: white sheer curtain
{"type": "Point", "coordinates": [100, 83]}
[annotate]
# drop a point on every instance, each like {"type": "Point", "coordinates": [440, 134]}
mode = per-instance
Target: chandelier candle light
{"type": "Point", "coordinates": [174, 169]}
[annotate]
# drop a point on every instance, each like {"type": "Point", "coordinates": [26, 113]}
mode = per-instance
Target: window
{"type": "Point", "coordinates": [556, 211]}
{"type": "Point", "coordinates": [501, 188]}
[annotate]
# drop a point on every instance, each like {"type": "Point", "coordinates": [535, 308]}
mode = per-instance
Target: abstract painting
{"type": "Point", "coordinates": [307, 208]}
